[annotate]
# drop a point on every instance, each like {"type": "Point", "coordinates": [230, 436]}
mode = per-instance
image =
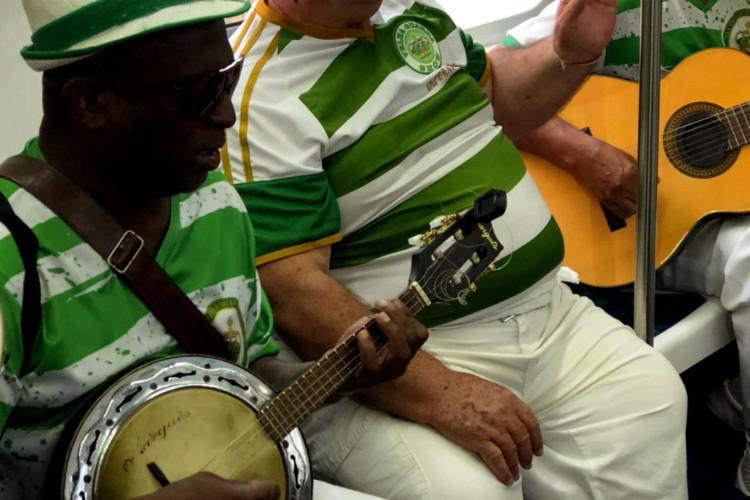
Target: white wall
{"type": "Point", "coordinates": [20, 87]}
{"type": "Point", "coordinates": [487, 21]}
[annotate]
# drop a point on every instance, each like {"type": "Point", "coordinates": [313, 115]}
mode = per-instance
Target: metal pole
{"type": "Point", "coordinates": [648, 147]}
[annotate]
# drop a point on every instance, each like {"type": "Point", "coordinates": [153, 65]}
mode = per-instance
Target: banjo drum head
{"type": "Point", "coordinates": [175, 417]}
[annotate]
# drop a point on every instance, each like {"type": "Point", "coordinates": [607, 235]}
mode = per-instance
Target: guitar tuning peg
{"type": "Point", "coordinates": [417, 240]}
{"type": "Point", "coordinates": [487, 271]}
{"type": "Point", "coordinates": [457, 278]}
{"type": "Point", "coordinates": [437, 222]}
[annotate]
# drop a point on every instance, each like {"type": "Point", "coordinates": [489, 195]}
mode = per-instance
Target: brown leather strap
{"type": "Point", "coordinates": [122, 249]}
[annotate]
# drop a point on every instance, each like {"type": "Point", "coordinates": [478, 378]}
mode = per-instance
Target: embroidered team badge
{"type": "Point", "coordinates": [737, 31]}
{"type": "Point", "coordinates": [225, 316]}
{"type": "Point", "coordinates": [417, 47]}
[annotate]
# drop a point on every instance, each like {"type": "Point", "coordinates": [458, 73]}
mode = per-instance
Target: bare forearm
{"type": "Point", "coordinates": [529, 86]}
{"type": "Point", "coordinates": [607, 173]}
{"type": "Point", "coordinates": [416, 393]}
{"type": "Point", "coordinates": [558, 142]}
{"type": "Point", "coordinates": [312, 310]}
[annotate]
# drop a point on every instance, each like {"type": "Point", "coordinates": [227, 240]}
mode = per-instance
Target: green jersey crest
{"type": "Point", "coordinates": [417, 47]}
{"type": "Point", "coordinates": [226, 317]}
{"type": "Point", "coordinates": [737, 31]}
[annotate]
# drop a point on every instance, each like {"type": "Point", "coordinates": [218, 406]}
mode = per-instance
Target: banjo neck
{"type": "Point", "coordinates": [306, 394]}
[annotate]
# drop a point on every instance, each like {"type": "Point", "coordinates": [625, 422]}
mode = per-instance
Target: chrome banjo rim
{"type": "Point", "coordinates": [114, 407]}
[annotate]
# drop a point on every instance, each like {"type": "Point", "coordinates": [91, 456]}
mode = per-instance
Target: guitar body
{"type": "Point", "coordinates": [183, 414]}
{"type": "Point", "coordinates": [692, 186]}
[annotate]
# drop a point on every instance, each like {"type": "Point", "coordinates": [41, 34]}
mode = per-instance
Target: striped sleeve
{"type": "Point", "coordinates": [291, 215]}
{"type": "Point", "coordinates": [476, 56]}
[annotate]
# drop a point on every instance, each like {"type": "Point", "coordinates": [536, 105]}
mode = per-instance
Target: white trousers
{"type": "Point", "coordinates": [328, 491]}
{"type": "Point", "coordinates": [612, 412]}
{"type": "Point", "coordinates": [716, 262]}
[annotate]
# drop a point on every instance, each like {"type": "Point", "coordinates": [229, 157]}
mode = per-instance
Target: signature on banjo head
{"type": "Point", "coordinates": [159, 434]}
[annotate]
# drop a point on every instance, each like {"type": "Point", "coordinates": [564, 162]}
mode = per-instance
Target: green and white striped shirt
{"type": "Point", "coordinates": [94, 328]}
{"type": "Point", "coordinates": [358, 138]}
{"type": "Point", "coordinates": [687, 27]}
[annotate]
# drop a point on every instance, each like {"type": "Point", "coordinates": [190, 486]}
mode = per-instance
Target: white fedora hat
{"type": "Point", "coordinates": [64, 31]}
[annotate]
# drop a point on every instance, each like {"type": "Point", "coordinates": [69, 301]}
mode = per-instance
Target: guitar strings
{"type": "Point", "coordinates": [711, 144]}
{"type": "Point", "coordinates": [511, 248]}
{"type": "Point", "coordinates": [279, 423]}
{"type": "Point", "coordinates": [274, 423]}
{"type": "Point", "coordinates": [719, 140]}
{"type": "Point", "coordinates": [723, 114]}
{"type": "Point", "coordinates": [719, 115]}
{"type": "Point", "coordinates": [348, 354]}
{"type": "Point", "coordinates": [710, 122]}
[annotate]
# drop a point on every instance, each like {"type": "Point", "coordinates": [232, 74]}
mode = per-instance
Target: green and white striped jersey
{"type": "Point", "coordinates": [358, 138]}
{"type": "Point", "coordinates": [94, 328]}
{"type": "Point", "coordinates": [687, 27]}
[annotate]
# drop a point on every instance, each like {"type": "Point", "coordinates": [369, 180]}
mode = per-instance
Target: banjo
{"type": "Point", "coordinates": [176, 416]}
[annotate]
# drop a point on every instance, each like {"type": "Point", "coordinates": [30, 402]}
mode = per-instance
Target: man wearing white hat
{"type": "Point", "coordinates": [135, 107]}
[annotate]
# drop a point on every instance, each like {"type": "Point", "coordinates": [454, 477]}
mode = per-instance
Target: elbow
{"type": "Point", "coordinates": [520, 122]}
{"type": "Point", "coordinates": [521, 133]}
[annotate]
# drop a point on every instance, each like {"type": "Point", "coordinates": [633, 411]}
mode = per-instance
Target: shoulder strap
{"type": "Point", "coordinates": [121, 248]}
{"type": "Point", "coordinates": [28, 246]}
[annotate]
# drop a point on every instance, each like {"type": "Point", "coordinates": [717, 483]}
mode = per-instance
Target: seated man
{"type": "Point", "coordinates": [715, 260]}
{"type": "Point", "coordinates": [359, 123]}
{"type": "Point", "coordinates": [135, 108]}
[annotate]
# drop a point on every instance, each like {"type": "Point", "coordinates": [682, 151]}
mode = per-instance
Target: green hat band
{"type": "Point", "coordinates": [93, 19]}
{"type": "Point", "coordinates": [101, 23]}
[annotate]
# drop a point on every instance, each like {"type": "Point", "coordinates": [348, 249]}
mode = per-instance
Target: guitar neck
{"type": "Point", "coordinates": [306, 394]}
{"type": "Point", "coordinates": [737, 120]}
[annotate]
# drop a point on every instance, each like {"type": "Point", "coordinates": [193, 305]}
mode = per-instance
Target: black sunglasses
{"type": "Point", "coordinates": [200, 93]}
{"type": "Point", "coordinates": [204, 92]}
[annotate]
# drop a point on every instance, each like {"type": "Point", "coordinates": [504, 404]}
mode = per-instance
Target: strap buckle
{"type": "Point", "coordinates": [125, 252]}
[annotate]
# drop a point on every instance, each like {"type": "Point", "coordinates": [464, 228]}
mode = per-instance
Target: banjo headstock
{"type": "Point", "coordinates": [458, 250]}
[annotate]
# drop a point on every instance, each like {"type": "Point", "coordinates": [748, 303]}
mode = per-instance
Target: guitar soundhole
{"type": "Point", "coordinates": [702, 141]}
{"type": "Point", "coordinates": [697, 142]}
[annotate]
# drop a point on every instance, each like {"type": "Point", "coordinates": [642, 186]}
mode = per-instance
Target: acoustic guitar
{"type": "Point", "coordinates": [703, 168]}
{"type": "Point", "coordinates": [177, 416]}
